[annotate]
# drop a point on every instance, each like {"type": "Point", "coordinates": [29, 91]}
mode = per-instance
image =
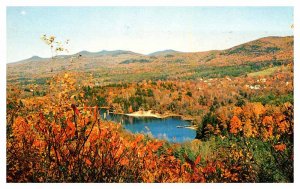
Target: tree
{"type": "Point", "coordinates": [55, 46]}
{"type": "Point", "coordinates": [205, 128]}
{"type": "Point", "coordinates": [235, 125]}
{"type": "Point", "coordinates": [189, 93]}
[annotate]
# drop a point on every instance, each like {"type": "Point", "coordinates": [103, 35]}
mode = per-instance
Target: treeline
{"type": "Point", "coordinates": [208, 71]}
{"type": "Point", "coordinates": [265, 131]}
{"type": "Point", "coordinates": [192, 98]}
{"type": "Point", "coordinates": [58, 138]}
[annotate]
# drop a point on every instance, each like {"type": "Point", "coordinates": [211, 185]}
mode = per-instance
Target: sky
{"type": "Point", "coordinates": [141, 29]}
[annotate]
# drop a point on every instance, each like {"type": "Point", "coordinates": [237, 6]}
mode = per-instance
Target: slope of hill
{"type": "Point", "coordinates": [268, 48]}
{"type": "Point", "coordinates": [116, 66]}
{"type": "Point", "coordinates": [239, 100]}
{"type": "Point", "coordinates": [35, 58]}
{"type": "Point", "coordinates": [164, 52]}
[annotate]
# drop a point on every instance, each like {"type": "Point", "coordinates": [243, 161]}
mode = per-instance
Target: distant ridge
{"type": "Point", "coordinates": [264, 46]}
{"type": "Point", "coordinates": [31, 59]}
{"type": "Point", "coordinates": [107, 53]}
{"type": "Point", "coordinates": [82, 53]}
{"type": "Point", "coordinates": [164, 52]}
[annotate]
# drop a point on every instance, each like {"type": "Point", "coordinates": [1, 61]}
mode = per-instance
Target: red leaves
{"type": "Point", "coordinates": [209, 169]}
{"type": "Point", "coordinates": [70, 129]}
{"type": "Point", "coordinates": [109, 149]}
{"type": "Point", "coordinates": [87, 161]}
{"type": "Point", "coordinates": [96, 112]}
{"type": "Point", "coordinates": [134, 144]}
{"type": "Point", "coordinates": [42, 116]}
{"type": "Point", "coordinates": [155, 146]}
{"type": "Point", "coordinates": [198, 159]}
{"type": "Point", "coordinates": [76, 111]}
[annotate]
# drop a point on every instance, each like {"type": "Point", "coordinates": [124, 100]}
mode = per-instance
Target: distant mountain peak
{"type": "Point", "coordinates": [258, 47]}
{"type": "Point", "coordinates": [35, 58]}
{"type": "Point", "coordinates": [106, 53]}
{"type": "Point", "coordinates": [164, 52]}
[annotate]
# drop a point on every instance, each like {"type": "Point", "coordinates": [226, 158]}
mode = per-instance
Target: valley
{"type": "Point", "coordinates": [239, 101]}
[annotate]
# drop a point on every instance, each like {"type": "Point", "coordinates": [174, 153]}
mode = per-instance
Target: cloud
{"type": "Point", "coordinates": [23, 12]}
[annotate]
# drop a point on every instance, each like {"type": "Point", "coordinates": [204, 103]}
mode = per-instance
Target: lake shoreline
{"type": "Point", "coordinates": [150, 114]}
{"type": "Point", "coordinates": [154, 122]}
{"type": "Point", "coordinates": [142, 113]}
{"type": "Point", "coordinates": [161, 116]}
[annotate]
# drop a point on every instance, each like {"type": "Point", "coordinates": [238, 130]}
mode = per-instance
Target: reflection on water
{"type": "Point", "coordinates": [158, 128]}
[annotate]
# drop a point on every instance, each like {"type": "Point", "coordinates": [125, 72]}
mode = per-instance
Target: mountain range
{"type": "Point", "coordinates": [262, 51]}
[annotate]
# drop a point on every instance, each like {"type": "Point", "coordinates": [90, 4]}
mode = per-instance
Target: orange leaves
{"type": "Point", "coordinates": [137, 140]}
{"type": "Point", "coordinates": [268, 127]}
{"type": "Point", "coordinates": [70, 129]}
{"type": "Point", "coordinates": [154, 146]}
{"type": "Point", "coordinates": [253, 109]}
{"type": "Point", "coordinates": [210, 168]}
{"type": "Point", "coordinates": [21, 128]}
{"type": "Point", "coordinates": [120, 156]}
{"type": "Point", "coordinates": [111, 151]}
{"type": "Point", "coordinates": [198, 159]}
{"type": "Point", "coordinates": [120, 151]}
{"type": "Point", "coordinates": [222, 113]}
{"type": "Point", "coordinates": [256, 120]}
{"type": "Point", "coordinates": [63, 89]}
{"type": "Point", "coordinates": [87, 161]}
{"type": "Point", "coordinates": [280, 147]}
{"type": "Point", "coordinates": [96, 113]}
{"type": "Point", "coordinates": [281, 123]}
{"type": "Point", "coordinates": [94, 134]}
{"type": "Point", "coordinates": [124, 162]}
{"type": "Point", "coordinates": [248, 129]}
{"type": "Point", "coordinates": [237, 111]}
{"type": "Point", "coordinates": [39, 144]}
{"type": "Point", "coordinates": [235, 125]}
{"type": "Point", "coordinates": [258, 109]}
{"type": "Point", "coordinates": [148, 177]}
{"type": "Point", "coordinates": [235, 154]}
{"type": "Point", "coordinates": [268, 121]}
{"type": "Point", "coordinates": [130, 110]}
{"type": "Point", "coordinates": [198, 176]}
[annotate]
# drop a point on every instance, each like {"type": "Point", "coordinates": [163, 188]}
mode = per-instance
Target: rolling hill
{"type": "Point", "coordinates": [164, 52]}
{"type": "Point", "coordinates": [107, 53]}
{"type": "Point", "coordinates": [119, 65]}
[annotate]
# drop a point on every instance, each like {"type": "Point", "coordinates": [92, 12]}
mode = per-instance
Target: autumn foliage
{"type": "Point", "coordinates": [60, 136]}
{"type": "Point", "coordinates": [66, 141]}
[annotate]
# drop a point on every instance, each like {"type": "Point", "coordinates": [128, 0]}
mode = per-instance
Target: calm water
{"type": "Point", "coordinates": [159, 128]}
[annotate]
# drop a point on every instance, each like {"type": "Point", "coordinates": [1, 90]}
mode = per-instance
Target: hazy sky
{"type": "Point", "coordinates": [141, 29]}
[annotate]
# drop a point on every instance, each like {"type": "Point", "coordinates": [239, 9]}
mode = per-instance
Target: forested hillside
{"type": "Point", "coordinates": [239, 100]}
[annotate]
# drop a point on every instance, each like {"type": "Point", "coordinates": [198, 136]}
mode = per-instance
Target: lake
{"type": "Point", "coordinates": [159, 128]}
